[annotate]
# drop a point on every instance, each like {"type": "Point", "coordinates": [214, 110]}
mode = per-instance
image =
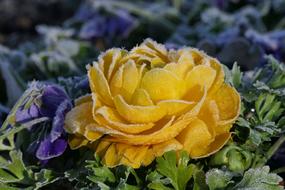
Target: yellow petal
{"type": "Point", "coordinates": [90, 134]}
{"type": "Point", "coordinates": [83, 99]}
{"type": "Point", "coordinates": [197, 55]}
{"type": "Point", "coordinates": [221, 129]}
{"type": "Point", "coordinates": [216, 145]}
{"type": "Point", "coordinates": [184, 64]}
{"type": "Point", "coordinates": [99, 84]}
{"type": "Point", "coordinates": [117, 81]}
{"type": "Point", "coordinates": [209, 113]}
{"type": "Point", "coordinates": [110, 61]}
{"type": "Point", "coordinates": [199, 97]}
{"type": "Point", "coordinates": [76, 141]}
{"type": "Point", "coordinates": [126, 80]}
{"type": "Point", "coordinates": [108, 117]}
{"type": "Point", "coordinates": [176, 107]}
{"type": "Point", "coordinates": [110, 158]}
{"type": "Point", "coordinates": [164, 133]}
{"type": "Point", "coordinates": [138, 114]}
{"type": "Point", "coordinates": [200, 75]}
{"type": "Point", "coordinates": [159, 48]}
{"type": "Point", "coordinates": [141, 98]}
{"type": "Point", "coordinates": [220, 75]}
{"type": "Point", "coordinates": [162, 84]}
{"type": "Point", "coordinates": [78, 118]}
{"type": "Point", "coordinates": [195, 138]}
{"type": "Point", "coordinates": [102, 147]}
{"type": "Point", "coordinates": [157, 150]}
{"type": "Point", "coordinates": [96, 103]}
{"type": "Point", "coordinates": [133, 156]}
{"type": "Point", "coordinates": [151, 49]}
{"type": "Point", "coordinates": [228, 102]}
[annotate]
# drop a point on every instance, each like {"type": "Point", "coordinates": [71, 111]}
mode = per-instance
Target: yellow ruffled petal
{"type": "Point", "coordinates": [96, 103]}
{"type": "Point", "coordinates": [123, 154]}
{"type": "Point", "coordinates": [164, 133]}
{"type": "Point", "coordinates": [83, 99]}
{"type": "Point", "coordinates": [220, 75]}
{"type": "Point", "coordinates": [76, 142]}
{"type": "Point", "coordinates": [195, 138]}
{"type": "Point", "coordinates": [99, 84]}
{"type": "Point", "coordinates": [228, 102]}
{"type": "Point", "coordinates": [132, 156]}
{"type": "Point", "coordinates": [183, 63]}
{"type": "Point", "coordinates": [197, 55]}
{"type": "Point", "coordinates": [126, 80]}
{"type": "Point", "coordinates": [141, 98]}
{"type": "Point", "coordinates": [90, 134]}
{"type": "Point", "coordinates": [110, 159]}
{"type": "Point", "coordinates": [209, 113]}
{"type": "Point", "coordinates": [216, 145]}
{"type": "Point", "coordinates": [162, 84]}
{"type": "Point", "coordinates": [157, 150]}
{"type": "Point", "coordinates": [102, 147]}
{"type": "Point", "coordinates": [110, 61]}
{"type": "Point", "coordinates": [80, 121]}
{"type": "Point", "coordinates": [138, 114]}
{"type": "Point", "coordinates": [78, 118]}
{"type": "Point", "coordinates": [176, 107]}
{"type": "Point", "coordinates": [186, 58]}
{"type": "Point", "coordinates": [106, 116]}
{"type": "Point", "coordinates": [221, 129]}
{"type": "Point", "coordinates": [151, 49]}
{"type": "Point", "coordinates": [200, 75]}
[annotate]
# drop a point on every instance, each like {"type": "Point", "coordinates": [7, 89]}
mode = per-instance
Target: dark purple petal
{"type": "Point", "coordinates": [125, 22]}
{"type": "Point", "coordinates": [94, 28]}
{"type": "Point", "coordinates": [58, 120]}
{"type": "Point", "coordinates": [85, 12]}
{"type": "Point", "coordinates": [48, 149]}
{"type": "Point", "coordinates": [24, 115]}
{"type": "Point", "coordinates": [264, 40]}
{"type": "Point", "coordinates": [51, 98]}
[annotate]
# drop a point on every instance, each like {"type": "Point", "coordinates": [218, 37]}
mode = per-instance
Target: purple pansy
{"type": "Point", "coordinates": [51, 101]}
{"type": "Point", "coordinates": [96, 24]}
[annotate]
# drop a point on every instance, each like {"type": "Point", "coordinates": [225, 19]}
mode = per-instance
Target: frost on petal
{"type": "Point", "coordinates": [48, 149]}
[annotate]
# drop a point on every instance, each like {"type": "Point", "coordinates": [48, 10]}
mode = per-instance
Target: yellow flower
{"type": "Point", "coordinates": [150, 100]}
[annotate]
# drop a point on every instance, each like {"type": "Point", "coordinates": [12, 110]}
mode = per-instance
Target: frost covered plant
{"type": "Point", "coordinates": [50, 102]}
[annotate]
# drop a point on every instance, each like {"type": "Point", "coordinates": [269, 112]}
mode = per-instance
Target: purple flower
{"type": "Point", "coordinates": [47, 101]}
{"type": "Point", "coordinates": [97, 24]}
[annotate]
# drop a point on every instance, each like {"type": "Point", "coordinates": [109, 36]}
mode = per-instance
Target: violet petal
{"type": "Point", "coordinates": [24, 115]}
{"type": "Point", "coordinates": [51, 98]}
{"type": "Point", "coordinates": [48, 149]}
{"type": "Point", "coordinates": [58, 120]}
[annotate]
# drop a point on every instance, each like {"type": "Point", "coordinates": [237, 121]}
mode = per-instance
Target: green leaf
{"type": "Point", "coordinates": [217, 179]}
{"type": "Point", "coordinates": [45, 177]}
{"type": "Point", "coordinates": [178, 173]}
{"type": "Point", "coordinates": [7, 187]}
{"type": "Point", "coordinates": [200, 180]}
{"type": "Point", "coordinates": [102, 174]}
{"type": "Point", "coordinates": [259, 178]}
{"type": "Point", "coordinates": [14, 170]}
{"type": "Point", "coordinates": [236, 75]}
{"type": "Point", "coordinates": [268, 107]}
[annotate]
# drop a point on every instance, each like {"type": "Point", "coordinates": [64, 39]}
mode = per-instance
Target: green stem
{"type": "Point", "coordinates": [275, 147]}
{"type": "Point", "coordinates": [279, 170]}
{"type": "Point", "coordinates": [271, 151]}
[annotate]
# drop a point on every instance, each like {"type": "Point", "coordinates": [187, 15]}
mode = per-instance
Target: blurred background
{"type": "Point", "coordinates": [51, 39]}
